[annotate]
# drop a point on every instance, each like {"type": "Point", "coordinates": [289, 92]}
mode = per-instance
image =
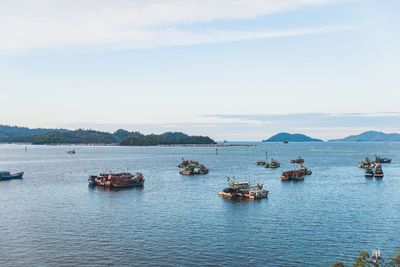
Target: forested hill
{"type": "Point", "coordinates": [281, 137]}
{"type": "Point", "coordinates": [81, 136]}
{"type": "Point", "coordinates": [6, 130]}
{"type": "Point", "coordinates": [169, 138]}
{"type": "Point", "coordinates": [370, 136]}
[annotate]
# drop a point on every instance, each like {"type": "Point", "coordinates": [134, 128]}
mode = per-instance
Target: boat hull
{"type": "Point", "coordinates": [12, 176]}
{"type": "Point", "coordinates": [128, 185]}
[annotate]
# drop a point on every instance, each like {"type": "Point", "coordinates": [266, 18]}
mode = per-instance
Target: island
{"type": "Point", "coordinates": [287, 137]}
{"type": "Point", "coordinates": [14, 134]}
{"type": "Point", "coordinates": [370, 136]}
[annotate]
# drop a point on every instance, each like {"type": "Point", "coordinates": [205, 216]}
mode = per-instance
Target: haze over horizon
{"type": "Point", "coordinates": [237, 70]}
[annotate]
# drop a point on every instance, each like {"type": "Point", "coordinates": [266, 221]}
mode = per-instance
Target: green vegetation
{"type": "Point", "coordinates": [364, 260]}
{"type": "Point", "coordinates": [74, 137]}
{"type": "Point", "coordinates": [169, 138]}
{"type": "Point", "coordinates": [81, 136]}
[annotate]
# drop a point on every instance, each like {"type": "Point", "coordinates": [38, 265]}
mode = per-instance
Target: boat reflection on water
{"type": "Point", "coordinates": [113, 189]}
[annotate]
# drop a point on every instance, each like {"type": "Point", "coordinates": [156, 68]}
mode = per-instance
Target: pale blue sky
{"type": "Point", "coordinates": [234, 70]}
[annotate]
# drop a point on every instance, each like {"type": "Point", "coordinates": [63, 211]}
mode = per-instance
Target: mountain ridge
{"type": "Point", "coordinates": [370, 136]}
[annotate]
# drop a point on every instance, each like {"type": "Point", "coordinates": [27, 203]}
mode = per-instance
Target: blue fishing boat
{"type": "Point", "coordinates": [8, 176]}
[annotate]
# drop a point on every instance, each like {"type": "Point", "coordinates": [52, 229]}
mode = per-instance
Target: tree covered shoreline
{"type": "Point", "coordinates": [81, 136]}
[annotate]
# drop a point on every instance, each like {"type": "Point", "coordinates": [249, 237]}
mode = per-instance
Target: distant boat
{"type": "Point", "coordinates": [285, 142]}
{"type": "Point", "coordinates": [298, 160]}
{"type": "Point", "coordinates": [369, 173]}
{"type": "Point", "coordinates": [4, 175]}
{"type": "Point", "coordinates": [378, 159]}
{"type": "Point", "coordinates": [71, 151]}
{"type": "Point", "coordinates": [378, 172]}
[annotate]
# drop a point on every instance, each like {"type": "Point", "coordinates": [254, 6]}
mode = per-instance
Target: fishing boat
{"type": "Point", "coordinates": [304, 169]}
{"type": "Point", "coordinates": [273, 165]}
{"type": "Point", "coordinates": [71, 151]}
{"type": "Point", "coordinates": [285, 142]}
{"type": "Point", "coordinates": [5, 175]}
{"type": "Point", "coordinates": [194, 169]}
{"type": "Point", "coordinates": [243, 189]}
{"type": "Point", "coordinates": [186, 163]}
{"type": "Point", "coordinates": [298, 160]}
{"type": "Point", "coordinates": [261, 163]}
{"type": "Point", "coordinates": [369, 173]}
{"type": "Point", "coordinates": [125, 181]}
{"type": "Point", "coordinates": [295, 175]}
{"type": "Point", "coordinates": [367, 163]}
{"type": "Point", "coordinates": [122, 179]}
{"type": "Point", "coordinates": [378, 171]}
{"type": "Point", "coordinates": [378, 159]}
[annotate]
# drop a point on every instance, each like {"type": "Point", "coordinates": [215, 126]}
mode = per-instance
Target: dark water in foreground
{"type": "Point", "coordinates": [52, 217]}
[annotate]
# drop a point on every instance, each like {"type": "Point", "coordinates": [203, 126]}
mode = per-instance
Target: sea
{"type": "Point", "coordinates": [53, 218]}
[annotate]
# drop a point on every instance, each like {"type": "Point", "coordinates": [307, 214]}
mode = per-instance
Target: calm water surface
{"type": "Point", "coordinates": [52, 217]}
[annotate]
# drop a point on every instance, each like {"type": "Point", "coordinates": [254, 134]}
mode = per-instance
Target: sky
{"type": "Point", "coordinates": [230, 69]}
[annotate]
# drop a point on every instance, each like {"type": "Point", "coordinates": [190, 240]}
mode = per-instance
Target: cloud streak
{"type": "Point", "coordinates": [122, 24]}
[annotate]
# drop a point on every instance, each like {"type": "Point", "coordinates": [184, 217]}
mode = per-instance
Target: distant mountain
{"type": "Point", "coordinates": [370, 136]}
{"type": "Point", "coordinates": [280, 137]}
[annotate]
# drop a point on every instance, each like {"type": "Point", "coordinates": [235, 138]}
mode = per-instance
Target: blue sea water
{"type": "Point", "coordinates": [52, 217]}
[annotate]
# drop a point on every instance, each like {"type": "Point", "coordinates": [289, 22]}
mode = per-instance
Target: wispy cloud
{"type": "Point", "coordinates": [122, 24]}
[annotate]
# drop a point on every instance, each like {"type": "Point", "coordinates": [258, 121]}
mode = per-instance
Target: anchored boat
{"type": "Point", "coordinates": [298, 160]}
{"type": "Point", "coordinates": [295, 175]}
{"type": "Point", "coordinates": [5, 175]}
{"type": "Point", "coordinates": [122, 179]}
{"type": "Point", "coordinates": [243, 189]}
{"type": "Point", "coordinates": [367, 163]}
{"type": "Point", "coordinates": [273, 164]}
{"type": "Point", "coordinates": [378, 159]}
{"type": "Point", "coordinates": [369, 173]}
{"type": "Point", "coordinates": [261, 163]}
{"type": "Point", "coordinates": [378, 171]}
{"type": "Point", "coordinates": [192, 168]}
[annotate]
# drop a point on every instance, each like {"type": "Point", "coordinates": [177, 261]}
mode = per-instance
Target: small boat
{"type": "Point", "coordinates": [378, 172]}
{"type": "Point", "coordinates": [186, 163]}
{"type": "Point", "coordinates": [71, 151]}
{"type": "Point", "coordinates": [298, 160]}
{"type": "Point", "coordinates": [369, 173]}
{"type": "Point", "coordinates": [261, 163]}
{"type": "Point", "coordinates": [304, 170]}
{"type": "Point", "coordinates": [192, 168]}
{"type": "Point", "coordinates": [133, 181]}
{"type": "Point", "coordinates": [378, 159]}
{"type": "Point", "coordinates": [123, 179]}
{"type": "Point", "coordinates": [367, 163]}
{"type": "Point", "coordinates": [295, 175]}
{"type": "Point", "coordinates": [243, 189]}
{"type": "Point", "coordinates": [4, 175]}
{"type": "Point", "coordinates": [273, 165]}
{"type": "Point", "coordinates": [285, 142]}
